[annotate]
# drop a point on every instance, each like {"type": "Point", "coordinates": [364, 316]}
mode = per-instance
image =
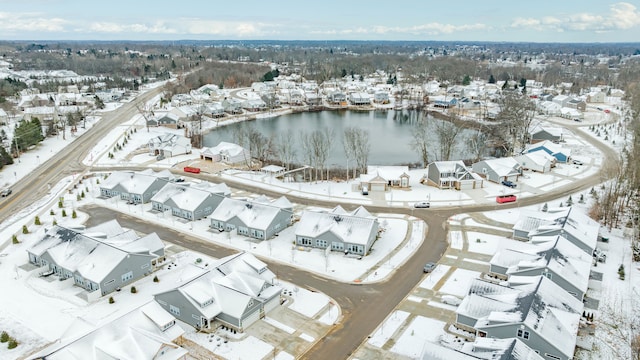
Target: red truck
{"type": "Point", "coordinates": [191, 169]}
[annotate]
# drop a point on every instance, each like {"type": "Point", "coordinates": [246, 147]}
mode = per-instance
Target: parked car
{"type": "Point", "coordinates": [428, 267]}
{"type": "Point", "coordinates": [422, 205]}
{"type": "Point", "coordinates": [509, 183]}
{"type": "Point", "coordinates": [577, 162]}
{"type": "Point", "coordinates": [5, 192]}
{"type": "Point", "coordinates": [365, 190]}
{"type": "Point", "coordinates": [451, 300]}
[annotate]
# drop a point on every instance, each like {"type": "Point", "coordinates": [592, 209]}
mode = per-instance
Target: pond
{"type": "Point", "coordinates": [390, 134]}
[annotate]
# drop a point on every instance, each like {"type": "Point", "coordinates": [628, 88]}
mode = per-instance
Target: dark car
{"type": "Point", "coordinates": [428, 267]}
{"type": "Point", "coordinates": [509, 183]}
{"type": "Point", "coordinates": [5, 192]}
{"type": "Point", "coordinates": [577, 162]}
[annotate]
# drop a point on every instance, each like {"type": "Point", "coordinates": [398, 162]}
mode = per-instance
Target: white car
{"type": "Point", "coordinates": [422, 205]}
{"type": "Point", "coordinates": [451, 300]}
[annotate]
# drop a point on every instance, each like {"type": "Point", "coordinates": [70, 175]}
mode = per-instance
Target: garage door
{"type": "Point", "coordinates": [466, 185]}
{"type": "Point", "coordinates": [250, 319]}
{"type": "Point", "coordinates": [377, 187]}
{"type": "Point", "coordinates": [272, 304]}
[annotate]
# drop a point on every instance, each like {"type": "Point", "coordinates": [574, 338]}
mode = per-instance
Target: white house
{"type": "Point", "coordinates": [539, 161]}
{"type": "Point", "coordinates": [227, 153]}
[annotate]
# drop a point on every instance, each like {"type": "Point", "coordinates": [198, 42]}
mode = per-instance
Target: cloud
{"type": "Point", "coordinates": [423, 29]}
{"type": "Point", "coordinates": [621, 16]}
{"type": "Point", "coordinates": [21, 22]}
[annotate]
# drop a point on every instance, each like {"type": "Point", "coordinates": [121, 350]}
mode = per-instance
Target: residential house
{"type": "Point", "coordinates": [540, 314]}
{"type": "Point", "coordinates": [254, 105]}
{"type": "Point", "coordinates": [191, 202]}
{"type": "Point", "coordinates": [136, 187]}
{"type": "Point", "coordinates": [577, 104]}
{"type": "Point", "coordinates": [539, 133]}
{"type": "Point", "coordinates": [382, 178]}
{"type": "Point", "coordinates": [443, 101]}
{"type": "Point", "coordinates": [539, 161]}
{"type": "Point", "coordinates": [228, 153]}
{"type": "Point", "coordinates": [100, 259]}
{"type": "Point", "coordinates": [575, 226]}
{"type": "Point", "coordinates": [359, 98]}
{"type": "Point", "coordinates": [497, 170]}
{"type": "Point", "coordinates": [232, 106]}
{"type": "Point", "coordinates": [169, 145]}
{"type": "Point", "coordinates": [560, 153]}
{"type": "Point", "coordinates": [337, 98]}
{"type": "Point", "coordinates": [169, 120]}
{"type": "Point", "coordinates": [352, 232]}
{"type": "Point", "coordinates": [452, 175]}
{"type": "Point", "coordinates": [312, 98]}
{"type": "Point", "coordinates": [214, 109]}
{"type": "Point", "coordinates": [236, 291]}
{"type": "Point", "coordinates": [381, 97]}
{"type": "Point", "coordinates": [259, 218]}
{"type": "Point", "coordinates": [558, 259]}
{"type": "Point", "coordinates": [530, 220]}
{"type": "Point", "coordinates": [482, 349]}
{"type": "Point", "coordinates": [148, 332]}
{"type": "Point", "coordinates": [561, 100]}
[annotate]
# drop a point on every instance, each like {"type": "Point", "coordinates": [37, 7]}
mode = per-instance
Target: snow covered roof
{"type": "Point", "coordinates": [352, 227]}
{"type": "Point", "coordinates": [576, 224]}
{"type": "Point", "coordinates": [254, 214]}
{"type": "Point", "coordinates": [130, 181]}
{"type": "Point", "coordinates": [551, 146]}
{"type": "Point", "coordinates": [384, 173]}
{"type": "Point", "coordinates": [538, 157]}
{"type": "Point", "coordinates": [135, 335]}
{"type": "Point", "coordinates": [223, 147]}
{"type": "Point", "coordinates": [500, 349]}
{"type": "Point", "coordinates": [532, 219]}
{"type": "Point", "coordinates": [188, 197]}
{"type": "Point", "coordinates": [91, 256]}
{"type": "Point", "coordinates": [506, 166]}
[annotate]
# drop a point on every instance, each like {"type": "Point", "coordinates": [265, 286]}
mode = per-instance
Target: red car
{"type": "Point", "coordinates": [505, 199]}
{"type": "Point", "coordinates": [191, 169]}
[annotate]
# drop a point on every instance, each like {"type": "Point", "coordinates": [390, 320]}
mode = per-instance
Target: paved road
{"type": "Point", "coordinates": [364, 307]}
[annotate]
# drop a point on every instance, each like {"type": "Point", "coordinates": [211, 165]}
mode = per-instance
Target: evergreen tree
{"type": "Point", "coordinates": [492, 80]}
{"type": "Point", "coordinates": [466, 80]}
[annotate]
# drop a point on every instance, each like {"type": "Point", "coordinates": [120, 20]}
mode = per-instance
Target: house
{"type": "Point", "coordinates": [381, 97]}
{"type": "Point", "coordinates": [191, 202]}
{"type": "Point", "coordinates": [254, 105]}
{"type": "Point", "coordinates": [452, 175]}
{"type": "Point", "coordinates": [561, 100]}
{"type": "Point", "coordinates": [259, 218]}
{"type": "Point", "coordinates": [100, 259]}
{"type": "Point", "coordinates": [352, 232]}
{"type": "Point", "coordinates": [539, 133]}
{"type": "Point", "coordinates": [214, 109]}
{"type": "Point", "coordinates": [337, 98]}
{"type": "Point", "coordinates": [232, 106]}
{"type": "Point", "coordinates": [497, 170]}
{"type": "Point", "coordinates": [560, 153]}
{"type": "Point", "coordinates": [558, 259]}
{"type": "Point", "coordinates": [577, 104]}
{"type": "Point", "coordinates": [147, 332]}
{"type": "Point", "coordinates": [482, 349]}
{"type": "Point", "coordinates": [575, 226]}
{"type": "Point", "coordinates": [382, 178]}
{"type": "Point", "coordinates": [169, 120]}
{"type": "Point", "coordinates": [596, 97]}
{"type": "Point", "coordinates": [530, 220]}
{"type": "Point", "coordinates": [228, 153]}
{"type": "Point", "coordinates": [539, 161]}
{"type": "Point", "coordinates": [540, 314]}
{"type": "Point", "coordinates": [312, 98]}
{"type": "Point", "coordinates": [169, 145]}
{"type": "Point", "coordinates": [136, 187]}
{"type": "Point", "coordinates": [235, 291]}
{"type": "Point", "coordinates": [359, 98]}
{"type": "Point", "coordinates": [444, 102]}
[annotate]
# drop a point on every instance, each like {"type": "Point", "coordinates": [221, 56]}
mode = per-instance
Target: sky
{"type": "Point", "coordinates": [463, 20]}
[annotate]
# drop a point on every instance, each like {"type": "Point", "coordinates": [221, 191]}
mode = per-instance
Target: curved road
{"type": "Point", "coordinates": [364, 306]}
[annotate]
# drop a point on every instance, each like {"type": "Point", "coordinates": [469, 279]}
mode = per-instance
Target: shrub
{"type": "Point", "coordinates": [134, 290]}
{"type": "Point", "coordinates": [55, 222]}
{"type": "Point", "coordinates": [569, 201]}
{"type": "Point", "coordinates": [36, 221]}
{"type": "Point", "coordinates": [621, 272]}
{"type": "Point", "coordinates": [97, 181]}
{"type": "Point", "coordinates": [64, 213]}
{"type": "Point", "coordinates": [14, 239]}
{"type": "Point", "coordinates": [155, 279]}
{"type": "Point", "coordinates": [51, 212]}
{"type": "Point", "coordinates": [111, 301]}
{"type": "Point", "coordinates": [82, 194]}
{"type": "Point", "coordinates": [60, 205]}
{"type": "Point", "coordinates": [13, 343]}
{"type": "Point", "coordinates": [74, 215]}
{"type": "Point", "coordinates": [4, 337]}
{"type": "Point", "coordinates": [78, 197]}
{"type": "Point", "coordinates": [545, 207]}
{"type": "Point", "coordinates": [25, 230]}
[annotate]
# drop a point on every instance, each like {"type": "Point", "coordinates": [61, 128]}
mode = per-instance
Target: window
{"type": "Point", "coordinates": [551, 356]}
{"type": "Point", "coordinates": [127, 276]}
{"type": "Point", "coordinates": [146, 265]}
{"type": "Point", "coordinates": [321, 243]}
{"type": "Point", "coordinates": [110, 282]}
{"type": "Point", "coordinates": [523, 334]}
{"type": "Point", "coordinates": [305, 241]}
{"type": "Point", "coordinates": [174, 310]}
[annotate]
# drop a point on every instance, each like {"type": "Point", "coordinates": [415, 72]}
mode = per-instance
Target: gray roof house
{"type": "Point", "coordinates": [530, 220]}
{"type": "Point", "coordinates": [382, 178]}
{"type": "Point", "coordinates": [99, 259]}
{"type": "Point", "coordinates": [540, 314]}
{"type": "Point", "coordinates": [539, 161]}
{"type": "Point", "coordinates": [259, 218]}
{"type": "Point", "coordinates": [452, 175]}
{"type": "Point", "coordinates": [497, 170]}
{"type": "Point", "coordinates": [539, 133]}
{"type": "Point", "coordinates": [482, 349]}
{"type": "Point", "coordinates": [557, 259]}
{"type": "Point", "coordinates": [168, 119]}
{"type": "Point", "coordinates": [137, 187]}
{"type": "Point", "coordinates": [575, 226]}
{"type": "Point", "coordinates": [352, 232]}
{"type": "Point", "coordinates": [148, 332]}
{"type": "Point", "coordinates": [236, 292]}
{"type": "Point", "coordinates": [169, 145]}
{"type": "Point", "coordinates": [191, 202]}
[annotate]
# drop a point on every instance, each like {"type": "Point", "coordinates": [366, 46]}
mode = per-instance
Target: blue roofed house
{"type": "Point", "coordinates": [539, 313]}
{"type": "Point", "coordinates": [452, 175]}
{"type": "Point", "coordinates": [497, 170]}
{"type": "Point", "coordinates": [100, 259]}
{"type": "Point", "coordinates": [351, 232]}
{"type": "Point", "coordinates": [191, 202]}
{"type": "Point", "coordinates": [236, 291]}
{"type": "Point", "coordinates": [259, 218]}
{"type": "Point", "coordinates": [560, 153]}
{"type": "Point", "coordinates": [137, 187]}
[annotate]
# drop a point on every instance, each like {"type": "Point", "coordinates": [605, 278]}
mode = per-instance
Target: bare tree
{"type": "Point", "coordinates": [477, 143]}
{"type": "Point", "coordinates": [420, 141]}
{"type": "Point", "coordinates": [285, 148]}
{"type": "Point", "coordinates": [146, 111]}
{"type": "Point", "coordinates": [516, 117]}
{"type": "Point", "coordinates": [356, 147]}
{"type": "Point", "coordinates": [447, 132]}
{"type": "Point", "coordinates": [320, 144]}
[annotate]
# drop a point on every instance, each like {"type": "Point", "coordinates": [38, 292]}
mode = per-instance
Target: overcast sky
{"type": "Point", "coordinates": [464, 20]}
